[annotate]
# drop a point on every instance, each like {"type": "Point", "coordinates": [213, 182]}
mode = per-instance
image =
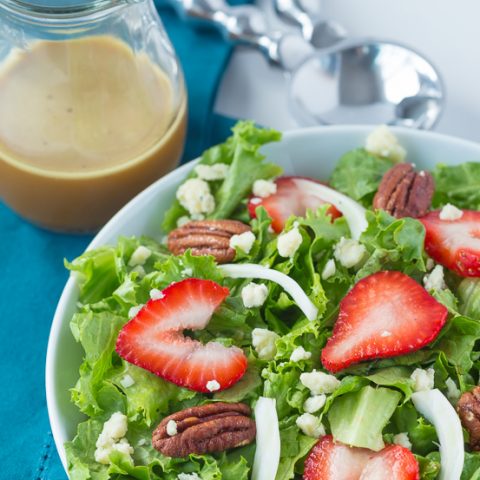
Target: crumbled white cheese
{"type": "Point", "coordinates": [156, 294]}
{"type": "Point", "coordinates": [139, 256]}
{"type": "Point", "coordinates": [186, 272]}
{"type": "Point", "coordinates": [384, 143]}
{"type": "Point", "coordinates": [213, 386]}
{"type": "Point", "coordinates": [288, 243]}
{"type": "Point", "coordinates": [217, 171]}
{"type": "Point", "coordinates": [402, 440]}
{"type": "Point", "coordinates": [127, 381]}
{"type": "Point", "coordinates": [429, 264]}
{"type": "Point", "coordinates": [423, 379]}
{"type": "Point", "coordinates": [133, 312]}
{"type": "Point", "coordinates": [254, 295]}
{"type": "Point", "coordinates": [171, 428]}
{"type": "Point", "coordinates": [329, 269]}
{"type": "Point", "coordinates": [243, 241]}
{"type": "Point", "coordinates": [116, 426]}
{"type": "Point", "coordinates": [349, 252]}
{"type": "Point", "coordinates": [300, 354]}
{"type": "Point", "coordinates": [435, 279]}
{"type": "Point", "coordinates": [194, 195]}
{"type": "Point", "coordinates": [188, 476]}
{"type": "Point", "coordinates": [263, 342]}
{"type": "Point", "coordinates": [450, 212]}
{"type": "Point", "coordinates": [453, 392]}
{"type": "Point", "coordinates": [319, 382]}
{"type": "Point", "coordinates": [139, 270]}
{"type": "Point", "coordinates": [183, 221]}
{"type": "Point", "coordinates": [123, 446]}
{"type": "Point", "coordinates": [310, 425]}
{"type": "Point", "coordinates": [315, 403]}
{"type": "Point", "coordinates": [112, 438]}
{"type": "Point", "coordinates": [264, 188]}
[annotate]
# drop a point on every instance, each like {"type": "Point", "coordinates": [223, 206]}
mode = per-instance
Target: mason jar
{"type": "Point", "coordinates": [92, 108]}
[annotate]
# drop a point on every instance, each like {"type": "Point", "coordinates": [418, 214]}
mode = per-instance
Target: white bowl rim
{"type": "Point", "coordinates": [104, 233]}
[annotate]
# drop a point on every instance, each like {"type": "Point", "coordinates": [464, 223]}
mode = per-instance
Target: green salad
{"type": "Point", "coordinates": [336, 323]}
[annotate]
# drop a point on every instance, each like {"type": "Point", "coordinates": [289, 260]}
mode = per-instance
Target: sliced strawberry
{"type": "Point", "coordinates": [288, 200]}
{"type": "Point", "coordinates": [334, 461]}
{"type": "Point", "coordinates": [329, 460]}
{"type": "Point", "coordinates": [393, 462]}
{"type": "Point", "coordinates": [153, 340]}
{"type": "Point", "coordinates": [384, 315]}
{"type": "Point", "coordinates": [454, 243]}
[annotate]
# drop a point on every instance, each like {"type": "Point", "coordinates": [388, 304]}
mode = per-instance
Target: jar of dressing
{"type": "Point", "coordinates": [92, 108]}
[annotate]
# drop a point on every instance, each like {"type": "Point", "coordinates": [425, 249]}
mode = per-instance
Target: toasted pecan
{"type": "Point", "coordinates": [206, 237]}
{"type": "Point", "coordinates": [214, 427]}
{"type": "Point", "coordinates": [403, 192]}
{"type": "Point", "coordinates": [468, 408]}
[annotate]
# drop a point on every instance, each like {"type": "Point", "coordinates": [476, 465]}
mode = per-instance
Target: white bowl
{"type": "Point", "coordinates": [309, 152]}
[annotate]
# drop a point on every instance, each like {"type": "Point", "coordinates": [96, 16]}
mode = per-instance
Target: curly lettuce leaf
{"type": "Point", "coordinates": [294, 447]}
{"type": "Point", "coordinates": [469, 296]}
{"type": "Point", "coordinates": [471, 466]}
{"type": "Point", "coordinates": [358, 174]}
{"type": "Point", "coordinates": [393, 244]}
{"type": "Point", "coordinates": [429, 467]}
{"type": "Point", "coordinates": [97, 333]}
{"type": "Point", "coordinates": [101, 271]}
{"type": "Point", "coordinates": [457, 184]}
{"type": "Point", "coordinates": [421, 434]}
{"type": "Point", "coordinates": [241, 152]}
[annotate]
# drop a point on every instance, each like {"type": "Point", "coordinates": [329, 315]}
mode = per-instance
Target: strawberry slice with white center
{"type": "Point", "coordinates": [393, 462]}
{"type": "Point", "coordinates": [329, 460]}
{"type": "Point", "coordinates": [153, 340]}
{"type": "Point", "coordinates": [455, 244]}
{"type": "Point", "coordinates": [384, 315]}
{"type": "Point", "coordinates": [288, 200]}
{"type": "Point", "coordinates": [334, 461]}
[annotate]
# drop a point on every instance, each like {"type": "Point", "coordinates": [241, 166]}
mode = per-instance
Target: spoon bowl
{"type": "Point", "coordinates": [366, 82]}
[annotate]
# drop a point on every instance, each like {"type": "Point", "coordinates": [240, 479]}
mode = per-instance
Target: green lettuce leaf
{"type": "Point", "coordinates": [469, 295]}
{"type": "Point", "coordinates": [429, 467]}
{"type": "Point", "coordinates": [457, 184]}
{"type": "Point", "coordinates": [471, 467]}
{"type": "Point", "coordinates": [97, 333]}
{"type": "Point", "coordinates": [358, 418]}
{"type": "Point", "coordinates": [294, 447]}
{"type": "Point", "coordinates": [393, 244]}
{"type": "Point", "coordinates": [241, 152]}
{"type": "Point", "coordinates": [358, 174]}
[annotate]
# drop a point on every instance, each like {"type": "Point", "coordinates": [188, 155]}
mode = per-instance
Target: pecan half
{"type": "Point", "coordinates": [214, 427]}
{"type": "Point", "coordinates": [206, 237]}
{"type": "Point", "coordinates": [403, 192]}
{"type": "Point", "coordinates": [468, 408]}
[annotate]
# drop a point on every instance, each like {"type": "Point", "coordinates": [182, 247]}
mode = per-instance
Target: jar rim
{"type": "Point", "coordinates": [59, 9]}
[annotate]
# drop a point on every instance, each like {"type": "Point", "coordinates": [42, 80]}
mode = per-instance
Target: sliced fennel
{"type": "Point", "coordinates": [251, 270]}
{"type": "Point", "coordinates": [353, 212]}
{"type": "Point", "coordinates": [435, 407]}
{"type": "Point", "coordinates": [267, 453]}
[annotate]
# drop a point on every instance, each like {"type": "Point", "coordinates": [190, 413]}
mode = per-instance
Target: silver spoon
{"type": "Point", "coordinates": [355, 81]}
{"type": "Point", "coordinates": [315, 29]}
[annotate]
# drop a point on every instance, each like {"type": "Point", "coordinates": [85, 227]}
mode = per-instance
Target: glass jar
{"type": "Point", "coordinates": [92, 108]}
